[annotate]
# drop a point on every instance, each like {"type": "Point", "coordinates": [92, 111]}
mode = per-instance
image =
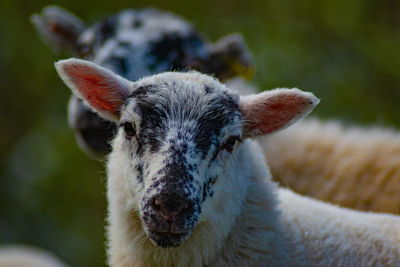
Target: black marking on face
{"type": "Point", "coordinates": [174, 177]}
{"type": "Point", "coordinates": [208, 89]}
{"type": "Point", "coordinates": [207, 188]}
{"type": "Point", "coordinates": [139, 168]}
{"type": "Point", "coordinates": [152, 129]}
{"type": "Point", "coordinates": [142, 90]}
{"type": "Point", "coordinates": [211, 124]}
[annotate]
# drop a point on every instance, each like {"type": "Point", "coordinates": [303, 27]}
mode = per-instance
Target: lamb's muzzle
{"type": "Point", "coordinates": [167, 216]}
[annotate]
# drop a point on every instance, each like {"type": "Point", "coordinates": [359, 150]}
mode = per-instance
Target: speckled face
{"type": "Point", "coordinates": [178, 135]}
{"type": "Point", "coordinates": [136, 43]}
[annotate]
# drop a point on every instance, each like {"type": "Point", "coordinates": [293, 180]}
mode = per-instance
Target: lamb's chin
{"type": "Point", "coordinates": [167, 239]}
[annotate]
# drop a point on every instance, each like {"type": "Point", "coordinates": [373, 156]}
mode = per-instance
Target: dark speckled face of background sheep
{"type": "Point", "coordinates": [137, 43]}
{"type": "Point", "coordinates": [134, 43]}
{"type": "Point", "coordinates": [178, 150]}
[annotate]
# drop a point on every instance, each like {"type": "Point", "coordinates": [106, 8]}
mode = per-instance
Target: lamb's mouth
{"type": "Point", "coordinates": [168, 239]}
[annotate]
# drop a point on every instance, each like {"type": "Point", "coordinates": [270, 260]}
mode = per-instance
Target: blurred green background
{"type": "Point", "coordinates": [53, 196]}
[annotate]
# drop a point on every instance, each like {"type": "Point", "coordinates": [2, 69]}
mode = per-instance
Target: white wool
{"type": "Point", "coordinates": [357, 167]}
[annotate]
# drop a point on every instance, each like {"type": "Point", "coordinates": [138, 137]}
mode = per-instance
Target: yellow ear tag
{"type": "Point", "coordinates": [246, 72]}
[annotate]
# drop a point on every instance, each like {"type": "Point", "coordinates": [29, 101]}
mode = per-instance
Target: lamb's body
{"type": "Point", "coordinates": [186, 186]}
{"type": "Point", "coordinates": [334, 236]}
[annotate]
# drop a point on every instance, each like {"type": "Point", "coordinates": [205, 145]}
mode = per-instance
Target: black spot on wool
{"type": "Point", "coordinates": [137, 23]}
{"type": "Point", "coordinates": [208, 89]}
{"type": "Point", "coordinates": [175, 171]}
{"type": "Point", "coordinates": [139, 168]}
{"type": "Point", "coordinates": [120, 65]}
{"type": "Point", "coordinates": [106, 28]}
{"type": "Point", "coordinates": [207, 190]}
{"type": "Point", "coordinates": [177, 50]}
{"type": "Point", "coordinates": [102, 31]}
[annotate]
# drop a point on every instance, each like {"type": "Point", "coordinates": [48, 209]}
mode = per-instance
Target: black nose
{"type": "Point", "coordinates": [170, 206]}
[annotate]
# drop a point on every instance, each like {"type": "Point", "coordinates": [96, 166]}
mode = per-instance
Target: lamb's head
{"type": "Point", "coordinates": [178, 134]}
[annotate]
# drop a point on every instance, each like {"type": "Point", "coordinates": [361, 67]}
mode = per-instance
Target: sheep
{"type": "Point", "coordinates": [134, 43]}
{"type": "Point", "coordinates": [188, 187]}
{"type": "Point", "coordinates": [27, 256]}
{"type": "Point", "coordinates": [357, 167]}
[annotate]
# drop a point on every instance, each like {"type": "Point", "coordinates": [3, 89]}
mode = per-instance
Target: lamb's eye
{"type": "Point", "coordinates": [129, 130]}
{"type": "Point", "coordinates": [230, 143]}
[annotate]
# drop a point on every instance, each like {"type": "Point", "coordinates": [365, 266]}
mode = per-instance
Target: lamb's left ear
{"type": "Point", "coordinates": [103, 90]}
{"type": "Point", "coordinates": [270, 111]}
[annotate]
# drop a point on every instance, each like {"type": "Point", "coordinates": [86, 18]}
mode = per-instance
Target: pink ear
{"type": "Point", "coordinates": [103, 90]}
{"type": "Point", "coordinates": [268, 112]}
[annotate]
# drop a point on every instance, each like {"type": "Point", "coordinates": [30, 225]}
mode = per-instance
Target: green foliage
{"type": "Point", "coordinates": [52, 194]}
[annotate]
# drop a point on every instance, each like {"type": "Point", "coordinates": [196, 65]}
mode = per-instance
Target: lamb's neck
{"type": "Point", "coordinates": [257, 238]}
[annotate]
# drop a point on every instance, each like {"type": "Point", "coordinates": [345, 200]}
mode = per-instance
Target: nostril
{"type": "Point", "coordinates": [187, 207]}
{"type": "Point", "coordinates": [171, 205]}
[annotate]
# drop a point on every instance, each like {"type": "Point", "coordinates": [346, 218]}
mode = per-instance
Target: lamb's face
{"type": "Point", "coordinates": [178, 134]}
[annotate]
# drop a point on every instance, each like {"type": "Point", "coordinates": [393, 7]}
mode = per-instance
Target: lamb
{"type": "Point", "coordinates": [188, 187]}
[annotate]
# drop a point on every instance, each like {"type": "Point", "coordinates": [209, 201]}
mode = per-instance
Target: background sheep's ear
{"type": "Point", "coordinates": [230, 57]}
{"type": "Point", "coordinates": [102, 89]}
{"type": "Point", "coordinates": [268, 112]}
{"type": "Point", "coordinates": [58, 28]}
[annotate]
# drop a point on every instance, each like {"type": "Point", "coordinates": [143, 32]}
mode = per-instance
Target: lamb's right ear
{"type": "Point", "coordinates": [102, 89]}
{"type": "Point", "coordinates": [274, 110]}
